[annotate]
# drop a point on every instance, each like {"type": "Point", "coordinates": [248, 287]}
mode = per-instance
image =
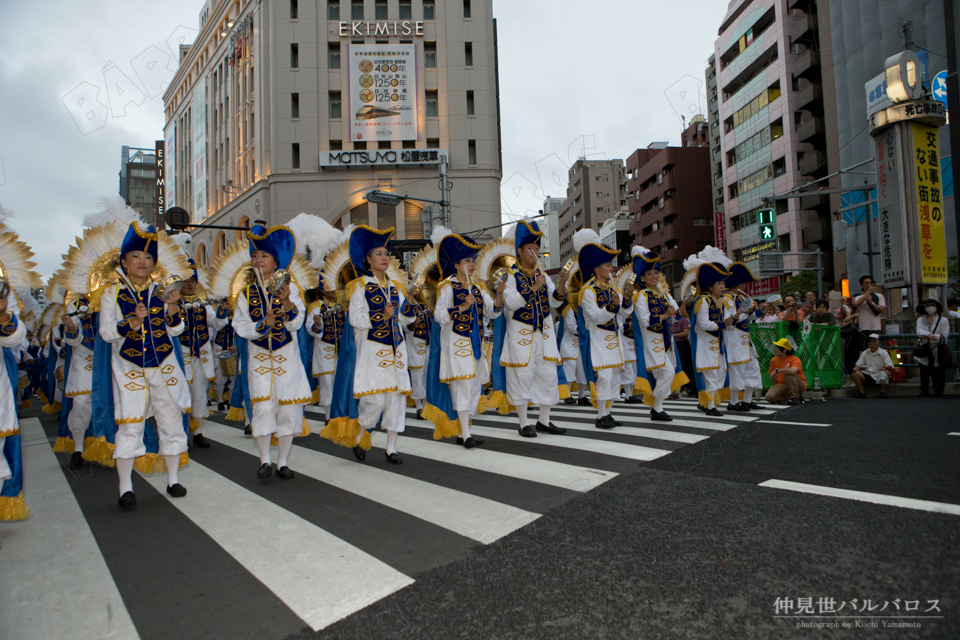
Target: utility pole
{"type": "Point", "coordinates": [953, 88]}
{"type": "Point", "coordinates": [444, 193]}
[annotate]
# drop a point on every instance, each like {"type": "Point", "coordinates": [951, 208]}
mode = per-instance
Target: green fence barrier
{"type": "Point", "coordinates": [820, 351]}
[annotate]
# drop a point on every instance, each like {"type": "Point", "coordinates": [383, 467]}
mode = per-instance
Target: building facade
{"type": "Point", "coordinates": [550, 225]}
{"type": "Point", "coordinates": [773, 134]}
{"type": "Point", "coordinates": [286, 106]}
{"type": "Point", "coordinates": [596, 192]}
{"type": "Point", "coordinates": [670, 203]}
{"type": "Point", "coordinates": [138, 182]}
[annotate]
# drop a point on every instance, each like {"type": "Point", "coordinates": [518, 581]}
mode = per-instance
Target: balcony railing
{"type": "Point", "coordinates": [812, 92]}
{"type": "Point", "coordinates": [806, 61]}
{"type": "Point", "coordinates": [803, 26]}
{"type": "Point", "coordinates": [809, 129]}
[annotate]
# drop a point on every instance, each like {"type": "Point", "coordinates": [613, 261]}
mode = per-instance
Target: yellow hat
{"type": "Point", "coordinates": [784, 343]}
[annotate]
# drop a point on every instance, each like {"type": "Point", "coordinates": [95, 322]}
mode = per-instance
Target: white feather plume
{"type": "Point", "coordinates": [112, 209]}
{"type": "Point", "coordinates": [315, 234]}
{"type": "Point", "coordinates": [712, 254]}
{"type": "Point", "coordinates": [30, 304]}
{"type": "Point", "coordinates": [584, 237]}
{"type": "Point", "coordinates": [439, 233]}
{"type": "Point", "coordinates": [182, 240]}
{"type": "Point", "coordinates": [638, 251]}
{"type": "Point", "coordinates": [5, 214]}
{"type": "Point", "coordinates": [511, 233]}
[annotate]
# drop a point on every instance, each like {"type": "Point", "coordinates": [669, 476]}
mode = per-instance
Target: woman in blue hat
{"type": "Point", "coordinates": [600, 304]}
{"type": "Point", "coordinates": [742, 359]}
{"type": "Point", "coordinates": [277, 381]}
{"type": "Point", "coordinates": [461, 307]}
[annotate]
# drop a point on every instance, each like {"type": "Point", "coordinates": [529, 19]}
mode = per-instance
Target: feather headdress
{"type": "Point", "coordinates": [315, 237]}
{"type": "Point", "coordinates": [231, 272]}
{"type": "Point", "coordinates": [113, 209]}
{"type": "Point", "coordinates": [15, 260]}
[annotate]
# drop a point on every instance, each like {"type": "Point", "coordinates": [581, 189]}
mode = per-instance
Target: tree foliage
{"type": "Point", "coordinates": [805, 281]}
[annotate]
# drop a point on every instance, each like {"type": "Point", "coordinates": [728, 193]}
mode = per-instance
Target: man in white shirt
{"type": "Point", "coordinates": [873, 368]}
{"type": "Point", "coordinates": [871, 306]}
{"type": "Point", "coordinates": [952, 308]}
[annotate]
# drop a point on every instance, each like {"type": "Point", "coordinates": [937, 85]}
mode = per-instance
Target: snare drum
{"type": "Point", "coordinates": [228, 363]}
{"type": "Point", "coordinates": [23, 381]}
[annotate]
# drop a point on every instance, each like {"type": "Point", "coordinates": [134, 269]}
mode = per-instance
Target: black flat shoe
{"type": "Point", "coordinates": [551, 428]}
{"type": "Point", "coordinates": [470, 443]}
{"type": "Point", "coordinates": [221, 407]}
{"type": "Point", "coordinates": [360, 453]}
{"type": "Point", "coordinates": [177, 490]}
{"type": "Point", "coordinates": [419, 414]}
{"type": "Point", "coordinates": [128, 500]}
{"type": "Point", "coordinates": [604, 423]}
{"type": "Point", "coordinates": [660, 416]}
{"type": "Point", "coordinates": [76, 460]}
{"type": "Point", "coordinates": [247, 431]}
{"type": "Point", "coordinates": [635, 400]}
{"type": "Point", "coordinates": [200, 442]}
{"type": "Point", "coordinates": [714, 412]}
{"type": "Point", "coordinates": [528, 431]}
{"type": "Point", "coordinates": [702, 408]}
{"type": "Point", "coordinates": [394, 458]}
{"type": "Point", "coordinates": [753, 406]}
{"type": "Point", "coordinates": [264, 471]}
{"type": "Point", "coordinates": [284, 473]}
{"type": "Point", "coordinates": [616, 423]}
{"type": "Point", "coordinates": [474, 438]}
{"type": "Point", "coordinates": [734, 408]}
{"type": "Point", "coordinates": [796, 401]}
{"type": "Point", "coordinates": [570, 401]}
{"type": "Point", "coordinates": [584, 402]}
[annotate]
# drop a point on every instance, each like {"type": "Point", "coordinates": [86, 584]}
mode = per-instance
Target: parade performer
{"type": "Point", "coordinates": [417, 319]}
{"type": "Point", "coordinates": [268, 315]}
{"type": "Point", "coordinates": [600, 305]}
{"type": "Point", "coordinates": [742, 360]}
{"type": "Point", "coordinates": [623, 282]}
{"type": "Point", "coordinates": [223, 344]}
{"type": "Point", "coordinates": [525, 344]}
{"type": "Point", "coordinates": [569, 336]}
{"type": "Point", "coordinates": [706, 272]}
{"type": "Point", "coordinates": [457, 360]}
{"type": "Point", "coordinates": [80, 335]}
{"type": "Point", "coordinates": [656, 354]}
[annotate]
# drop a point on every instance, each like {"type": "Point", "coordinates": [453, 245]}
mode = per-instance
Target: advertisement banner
{"type": "Point", "coordinates": [383, 92]}
{"type": "Point", "coordinates": [199, 125]}
{"type": "Point", "coordinates": [893, 241]}
{"type": "Point", "coordinates": [169, 173]}
{"type": "Point", "coordinates": [932, 243]}
{"type": "Point", "coordinates": [764, 287]}
{"type": "Point", "coordinates": [718, 231]}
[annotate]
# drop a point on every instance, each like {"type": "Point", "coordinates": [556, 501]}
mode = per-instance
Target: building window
{"type": "Point", "coordinates": [468, 53]}
{"type": "Point", "coordinates": [433, 143]}
{"type": "Point", "coordinates": [333, 55]}
{"type": "Point", "coordinates": [335, 103]}
{"type": "Point", "coordinates": [406, 10]}
{"type": "Point", "coordinates": [470, 105]}
{"type": "Point", "coordinates": [702, 222]}
{"type": "Point", "coordinates": [294, 105]}
{"type": "Point", "coordinates": [466, 8]}
{"type": "Point", "coordinates": [294, 56]}
{"type": "Point", "coordinates": [356, 10]}
{"type": "Point", "coordinates": [359, 146]}
{"type": "Point", "coordinates": [471, 152]}
{"type": "Point", "coordinates": [428, 10]}
{"type": "Point", "coordinates": [409, 144]}
{"type": "Point", "coordinates": [336, 145]}
{"type": "Point", "coordinates": [296, 155]}
{"type": "Point", "coordinates": [293, 9]}
{"type": "Point", "coordinates": [433, 107]}
{"type": "Point", "coordinates": [333, 9]}
{"type": "Point", "coordinates": [384, 144]}
{"type": "Point", "coordinates": [380, 10]}
{"type": "Point", "coordinates": [430, 55]}
{"type": "Point", "coordinates": [202, 255]}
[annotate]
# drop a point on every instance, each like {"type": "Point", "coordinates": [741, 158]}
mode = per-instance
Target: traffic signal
{"type": "Point", "coordinates": [765, 216]}
{"type": "Point", "coordinates": [766, 219]}
{"type": "Point", "coordinates": [767, 232]}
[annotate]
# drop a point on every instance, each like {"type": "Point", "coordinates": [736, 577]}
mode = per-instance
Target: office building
{"type": "Point", "coordinates": [596, 192]}
{"type": "Point", "coordinates": [550, 225]}
{"type": "Point", "coordinates": [138, 182]}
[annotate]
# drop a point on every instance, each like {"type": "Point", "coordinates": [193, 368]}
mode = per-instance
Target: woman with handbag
{"type": "Point", "coordinates": [933, 352]}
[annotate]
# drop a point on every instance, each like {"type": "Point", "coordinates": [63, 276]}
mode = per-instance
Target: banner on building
{"type": "Point", "coordinates": [383, 92]}
{"type": "Point", "coordinates": [763, 287]}
{"type": "Point", "coordinates": [893, 240]}
{"type": "Point", "coordinates": [718, 231]}
{"type": "Point", "coordinates": [199, 125]}
{"type": "Point", "coordinates": [170, 171]}
{"type": "Point", "coordinates": [931, 243]}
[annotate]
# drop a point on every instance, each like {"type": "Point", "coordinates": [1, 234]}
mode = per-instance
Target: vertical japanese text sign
{"type": "Point", "coordinates": [931, 244]}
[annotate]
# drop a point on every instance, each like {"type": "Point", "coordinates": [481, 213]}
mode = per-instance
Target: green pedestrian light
{"type": "Point", "coordinates": [766, 232]}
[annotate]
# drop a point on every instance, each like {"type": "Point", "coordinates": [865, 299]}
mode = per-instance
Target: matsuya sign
{"type": "Point", "coordinates": [384, 157]}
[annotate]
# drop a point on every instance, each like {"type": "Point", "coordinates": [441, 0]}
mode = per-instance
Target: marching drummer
{"type": "Point", "coordinates": [80, 333]}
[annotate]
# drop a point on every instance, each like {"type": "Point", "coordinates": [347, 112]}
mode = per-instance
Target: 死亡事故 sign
{"type": "Point", "coordinates": [381, 157]}
{"type": "Point", "coordinates": [383, 92]}
{"type": "Point", "coordinates": [931, 240]}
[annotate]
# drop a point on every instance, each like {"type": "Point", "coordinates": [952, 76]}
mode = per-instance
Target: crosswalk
{"type": "Point", "coordinates": [241, 557]}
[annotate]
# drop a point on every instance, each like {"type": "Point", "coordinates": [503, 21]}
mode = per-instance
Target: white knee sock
{"type": "Point", "coordinates": [264, 445]}
{"type": "Point", "coordinates": [734, 397]}
{"type": "Point", "coordinates": [125, 473]}
{"type": "Point", "coordinates": [326, 412]}
{"type": "Point", "coordinates": [173, 469]}
{"type": "Point", "coordinates": [581, 389]}
{"type": "Point", "coordinates": [464, 417]}
{"type": "Point", "coordinates": [522, 412]}
{"type": "Point", "coordinates": [392, 441]}
{"type": "Point", "coordinates": [601, 409]}
{"type": "Point", "coordinates": [78, 443]}
{"type": "Point", "coordinates": [285, 443]}
{"type": "Point", "coordinates": [747, 395]}
{"type": "Point", "coordinates": [419, 403]}
{"type": "Point", "coordinates": [360, 436]}
{"type": "Point", "coordinates": [544, 418]}
{"type": "Point", "coordinates": [657, 404]}
{"type": "Point", "coordinates": [199, 429]}
{"type": "Point", "coordinates": [710, 404]}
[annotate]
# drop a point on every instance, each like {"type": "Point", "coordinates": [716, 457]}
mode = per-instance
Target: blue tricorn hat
{"type": "Point", "coordinates": [527, 231]}
{"type": "Point", "coordinates": [739, 274]}
{"type": "Point", "coordinates": [193, 272]}
{"type": "Point", "coordinates": [363, 240]}
{"type": "Point", "coordinates": [452, 249]}
{"type": "Point", "coordinates": [710, 273]}
{"type": "Point", "coordinates": [591, 252]}
{"type": "Point", "coordinates": [277, 241]}
{"type": "Point", "coordinates": [644, 260]}
{"type": "Point", "coordinates": [138, 239]}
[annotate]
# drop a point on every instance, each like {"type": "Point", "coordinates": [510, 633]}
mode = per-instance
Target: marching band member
{"type": "Point", "coordinates": [742, 359]}
{"type": "Point", "coordinates": [600, 305]}
{"type": "Point", "coordinates": [269, 321]}
{"type": "Point", "coordinates": [628, 374]}
{"type": "Point", "coordinates": [417, 320]}
{"type": "Point", "coordinates": [222, 383]}
{"type": "Point", "coordinates": [325, 322]}
{"type": "Point", "coordinates": [80, 334]}
{"type": "Point", "coordinates": [148, 380]}
{"type": "Point", "coordinates": [198, 362]}
{"type": "Point", "coordinates": [570, 349]}
{"type": "Point", "coordinates": [461, 307]}
{"type": "Point", "coordinates": [709, 269]}
{"type": "Point", "coordinates": [653, 308]}
{"type": "Point", "coordinates": [529, 351]}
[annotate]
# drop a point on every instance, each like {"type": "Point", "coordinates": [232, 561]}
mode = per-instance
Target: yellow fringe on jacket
{"type": "Point", "coordinates": [153, 463]}
{"type": "Point", "coordinates": [13, 509]}
{"type": "Point", "coordinates": [51, 409]}
{"type": "Point", "coordinates": [593, 394]}
{"type": "Point", "coordinates": [305, 432]}
{"type": "Point", "coordinates": [411, 402]}
{"type": "Point", "coordinates": [225, 397]}
{"type": "Point", "coordinates": [315, 398]}
{"type": "Point", "coordinates": [444, 427]}
{"type": "Point", "coordinates": [365, 441]}
{"type": "Point", "coordinates": [99, 451]}
{"type": "Point", "coordinates": [42, 396]}
{"type": "Point", "coordinates": [718, 398]}
{"type": "Point", "coordinates": [498, 400]}
{"type": "Point", "coordinates": [237, 414]}
{"type": "Point", "coordinates": [679, 380]}
{"type": "Point", "coordinates": [63, 444]}
{"type": "Point", "coordinates": [26, 404]}
{"type": "Point", "coordinates": [342, 431]}
{"type": "Point", "coordinates": [564, 391]}
{"type": "Point", "coordinates": [194, 424]}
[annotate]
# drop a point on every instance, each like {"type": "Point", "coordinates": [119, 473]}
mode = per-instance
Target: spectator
{"type": "Point", "coordinates": [933, 330]}
{"type": "Point", "coordinates": [822, 315]}
{"type": "Point", "coordinates": [952, 308]}
{"type": "Point", "coordinates": [786, 372]}
{"type": "Point", "coordinates": [874, 367]}
{"type": "Point", "coordinates": [769, 313]}
{"type": "Point", "coordinates": [681, 338]}
{"type": "Point", "coordinates": [792, 311]}
{"type": "Point", "coordinates": [870, 306]}
{"type": "Point", "coordinates": [807, 309]}
{"type": "Point", "coordinates": [811, 297]}
{"type": "Point", "coordinates": [850, 312]}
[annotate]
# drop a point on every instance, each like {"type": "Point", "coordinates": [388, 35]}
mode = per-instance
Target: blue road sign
{"type": "Point", "coordinates": [939, 87]}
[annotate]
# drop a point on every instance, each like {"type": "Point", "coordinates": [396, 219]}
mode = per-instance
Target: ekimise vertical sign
{"type": "Point", "coordinates": [383, 92]}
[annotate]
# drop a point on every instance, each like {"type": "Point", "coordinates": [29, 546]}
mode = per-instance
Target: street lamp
{"type": "Point", "coordinates": [377, 196]}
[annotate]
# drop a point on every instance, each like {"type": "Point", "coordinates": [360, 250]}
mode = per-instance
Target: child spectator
{"type": "Point", "coordinates": [786, 372]}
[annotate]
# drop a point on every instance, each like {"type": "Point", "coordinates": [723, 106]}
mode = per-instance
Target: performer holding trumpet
{"type": "Point", "coordinates": [80, 333]}
{"type": "Point", "coordinates": [742, 360]}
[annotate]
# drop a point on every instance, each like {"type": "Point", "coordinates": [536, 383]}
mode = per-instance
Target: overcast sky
{"type": "Point", "coordinates": [604, 77]}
